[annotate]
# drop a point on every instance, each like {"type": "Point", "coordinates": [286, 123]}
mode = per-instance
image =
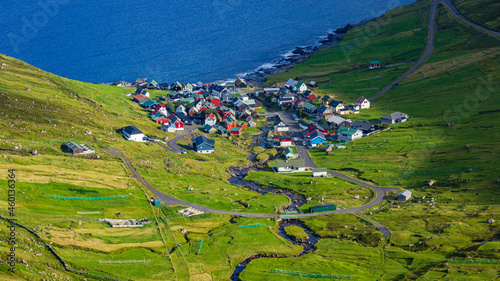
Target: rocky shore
{"type": "Point", "coordinates": [298, 55]}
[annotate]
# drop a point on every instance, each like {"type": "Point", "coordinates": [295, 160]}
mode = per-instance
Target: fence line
{"type": "Point", "coordinates": [87, 198]}
{"type": "Point", "coordinates": [311, 275]}
{"type": "Point", "coordinates": [125, 261]}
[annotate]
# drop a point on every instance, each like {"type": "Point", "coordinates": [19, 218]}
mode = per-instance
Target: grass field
{"type": "Point", "coordinates": [446, 140]}
{"type": "Point", "coordinates": [332, 190]}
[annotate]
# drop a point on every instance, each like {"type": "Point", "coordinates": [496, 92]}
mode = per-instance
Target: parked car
{"type": "Point", "coordinates": [183, 151]}
{"type": "Point", "coordinates": [304, 143]}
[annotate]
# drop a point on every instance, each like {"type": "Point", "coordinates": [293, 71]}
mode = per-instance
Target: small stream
{"type": "Point", "coordinates": [296, 200]}
{"type": "Point", "coordinates": [308, 246]}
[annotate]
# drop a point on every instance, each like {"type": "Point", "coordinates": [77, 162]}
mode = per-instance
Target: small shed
{"type": "Point", "coordinates": [374, 64]}
{"type": "Point", "coordinates": [73, 148]}
{"type": "Point", "coordinates": [404, 195]}
{"type": "Point", "coordinates": [323, 208]}
{"type": "Point", "coordinates": [155, 202]}
{"type": "Point", "coordinates": [319, 172]}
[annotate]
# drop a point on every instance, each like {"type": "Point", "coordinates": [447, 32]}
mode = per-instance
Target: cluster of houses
{"type": "Point", "coordinates": [142, 83]}
{"type": "Point", "coordinates": [231, 111]}
{"type": "Point", "coordinates": [295, 95]}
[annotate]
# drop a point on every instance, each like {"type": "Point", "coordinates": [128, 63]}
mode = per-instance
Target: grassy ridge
{"type": "Point", "coordinates": [484, 12]}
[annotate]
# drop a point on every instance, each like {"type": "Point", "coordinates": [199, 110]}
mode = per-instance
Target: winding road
{"type": "Point", "coordinates": [430, 41]}
{"type": "Point", "coordinates": [457, 14]}
{"type": "Point", "coordinates": [294, 129]}
{"type": "Point", "coordinates": [425, 56]}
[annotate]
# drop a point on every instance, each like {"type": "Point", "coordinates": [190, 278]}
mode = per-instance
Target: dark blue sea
{"type": "Point", "coordinates": [106, 40]}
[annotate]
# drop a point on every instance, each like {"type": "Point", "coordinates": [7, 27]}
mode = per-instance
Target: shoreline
{"type": "Point", "coordinates": [298, 55]}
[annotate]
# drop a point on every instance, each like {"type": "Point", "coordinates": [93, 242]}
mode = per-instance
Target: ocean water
{"type": "Point", "coordinates": [104, 40]}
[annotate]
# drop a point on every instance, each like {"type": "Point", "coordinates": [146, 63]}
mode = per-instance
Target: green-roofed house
{"type": "Point", "coordinates": [299, 87]}
{"type": "Point", "coordinates": [349, 134]}
{"type": "Point", "coordinates": [209, 129]}
{"type": "Point", "coordinates": [310, 108]}
{"type": "Point", "coordinates": [290, 166]}
{"type": "Point", "coordinates": [152, 85]}
{"type": "Point", "coordinates": [374, 64]}
{"type": "Point", "coordinates": [320, 172]}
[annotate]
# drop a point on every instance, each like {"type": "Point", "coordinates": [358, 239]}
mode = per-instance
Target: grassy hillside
{"type": "Point", "coordinates": [40, 111]}
{"type": "Point", "coordinates": [483, 12]}
{"type": "Point", "coordinates": [447, 140]}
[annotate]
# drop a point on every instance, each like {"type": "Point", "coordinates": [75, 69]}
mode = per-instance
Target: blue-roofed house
{"type": "Point", "coordinates": [203, 145]}
{"type": "Point", "coordinates": [316, 138]}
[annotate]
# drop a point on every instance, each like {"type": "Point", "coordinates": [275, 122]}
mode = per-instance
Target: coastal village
{"type": "Point", "coordinates": [228, 109]}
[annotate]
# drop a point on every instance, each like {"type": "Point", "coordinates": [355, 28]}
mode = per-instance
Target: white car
{"type": "Point", "coordinates": [304, 143]}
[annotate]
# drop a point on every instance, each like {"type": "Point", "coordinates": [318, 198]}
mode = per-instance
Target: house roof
{"type": "Point", "coordinates": [153, 83]}
{"type": "Point", "coordinates": [291, 163]}
{"type": "Point", "coordinates": [72, 146]}
{"type": "Point", "coordinates": [285, 140]}
{"type": "Point", "coordinates": [347, 131]}
{"type": "Point", "coordinates": [336, 120]}
{"type": "Point", "coordinates": [279, 122]}
{"type": "Point", "coordinates": [207, 128]}
{"type": "Point", "coordinates": [323, 108]}
{"type": "Point", "coordinates": [374, 62]}
{"type": "Point", "coordinates": [317, 134]}
{"type": "Point", "coordinates": [298, 84]}
{"type": "Point", "coordinates": [361, 99]}
{"type": "Point", "coordinates": [288, 151]}
{"type": "Point", "coordinates": [335, 103]}
{"type": "Point", "coordinates": [310, 106]}
{"type": "Point", "coordinates": [234, 129]}
{"type": "Point", "coordinates": [394, 116]}
{"type": "Point", "coordinates": [405, 193]}
{"type": "Point", "coordinates": [139, 97]}
{"type": "Point", "coordinates": [319, 170]}
{"type": "Point", "coordinates": [203, 140]}
{"type": "Point", "coordinates": [290, 82]}
{"type": "Point", "coordinates": [132, 130]}
{"type": "Point", "coordinates": [362, 125]}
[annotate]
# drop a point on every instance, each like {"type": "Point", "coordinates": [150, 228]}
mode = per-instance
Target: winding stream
{"type": "Point", "coordinates": [296, 200]}
{"type": "Point", "coordinates": [308, 246]}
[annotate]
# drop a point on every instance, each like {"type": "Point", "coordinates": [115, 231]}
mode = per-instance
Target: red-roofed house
{"type": "Point", "coordinates": [363, 103]}
{"type": "Point", "coordinates": [137, 98]}
{"type": "Point", "coordinates": [286, 142]}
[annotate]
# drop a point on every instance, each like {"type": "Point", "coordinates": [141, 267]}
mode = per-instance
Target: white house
{"type": "Point", "coordinates": [362, 103]}
{"type": "Point", "coordinates": [300, 87]}
{"type": "Point", "coordinates": [133, 134]}
{"type": "Point", "coordinates": [181, 109]}
{"type": "Point", "coordinates": [396, 117]}
{"type": "Point", "coordinates": [168, 128]}
{"type": "Point", "coordinates": [319, 172]}
{"type": "Point", "coordinates": [280, 126]}
{"type": "Point", "coordinates": [349, 134]}
{"type": "Point", "coordinates": [290, 166]}
{"type": "Point", "coordinates": [404, 195]}
{"type": "Point", "coordinates": [290, 83]}
{"type": "Point", "coordinates": [286, 142]}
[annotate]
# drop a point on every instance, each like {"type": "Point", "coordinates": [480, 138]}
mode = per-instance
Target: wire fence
{"type": "Point", "coordinates": [480, 261]}
{"type": "Point", "coordinates": [125, 261]}
{"type": "Point", "coordinates": [252, 225]}
{"type": "Point", "coordinates": [311, 275]}
{"type": "Point", "coordinates": [85, 198]}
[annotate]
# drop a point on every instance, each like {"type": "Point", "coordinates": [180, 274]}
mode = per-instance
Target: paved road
{"type": "Point", "coordinates": [457, 14]}
{"type": "Point", "coordinates": [172, 144]}
{"type": "Point", "coordinates": [428, 52]}
{"type": "Point", "coordinates": [295, 129]}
